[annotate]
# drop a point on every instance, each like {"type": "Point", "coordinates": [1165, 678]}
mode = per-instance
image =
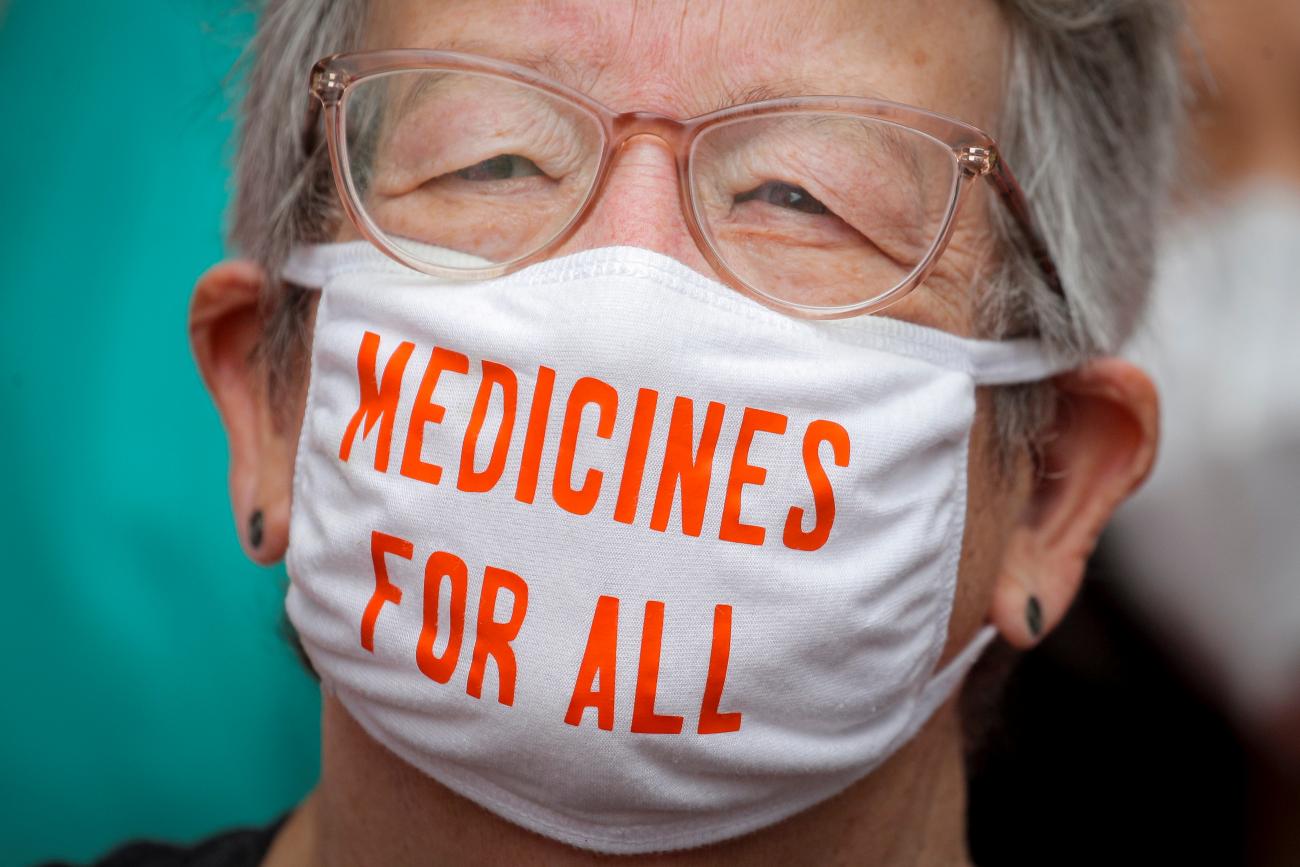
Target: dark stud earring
{"type": "Point", "coordinates": [1034, 616]}
{"type": "Point", "coordinates": [255, 528]}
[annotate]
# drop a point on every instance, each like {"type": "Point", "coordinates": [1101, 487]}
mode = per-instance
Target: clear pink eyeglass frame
{"type": "Point", "coordinates": [973, 150]}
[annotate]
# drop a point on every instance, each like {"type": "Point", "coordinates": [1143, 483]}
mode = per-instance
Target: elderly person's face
{"type": "Point", "coordinates": [1028, 533]}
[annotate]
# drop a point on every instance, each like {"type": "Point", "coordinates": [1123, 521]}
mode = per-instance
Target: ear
{"type": "Point", "coordinates": [1099, 450]}
{"type": "Point", "coordinates": [224, 326]}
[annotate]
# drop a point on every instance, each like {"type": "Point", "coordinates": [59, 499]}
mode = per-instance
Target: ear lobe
{"type": "Point", "coordinates": [224, 327]}
{"type": "Point", "coordinates": [1101, 447]}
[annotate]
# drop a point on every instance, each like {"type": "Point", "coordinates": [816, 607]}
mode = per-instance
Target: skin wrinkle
{"type": "Point", "coordinates": [722, 86]}
{"type": "Point", "coordinates": [886, 228]}
{"type": "Point", "coordinates": [416, 181]}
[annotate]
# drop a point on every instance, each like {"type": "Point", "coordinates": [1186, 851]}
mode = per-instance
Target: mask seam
{"type": "Point", "coordinates": [950, 577]}
{"type": "Point", "coordinates": [298, 488]}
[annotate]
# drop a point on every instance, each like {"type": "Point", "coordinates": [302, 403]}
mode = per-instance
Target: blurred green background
{"type": "Point", "coordinates": [147, 690]}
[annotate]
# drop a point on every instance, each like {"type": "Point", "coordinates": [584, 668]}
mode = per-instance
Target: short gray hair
{"type": "Point", "coordinates": [1092, 120]}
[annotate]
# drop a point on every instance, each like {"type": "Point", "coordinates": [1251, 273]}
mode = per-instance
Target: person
{"type": "Point", "coordinates": [1226, 484]}
{"type": "Point", "coordinates": [1224, 602]}
{"type": "Point", "coordinates": [663, 406]}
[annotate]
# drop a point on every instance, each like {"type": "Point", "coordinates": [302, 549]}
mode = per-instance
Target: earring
{"type": "Point", "coordinates": [1034, 615]}
{"type": "Point", "coordinates": [255, 528]}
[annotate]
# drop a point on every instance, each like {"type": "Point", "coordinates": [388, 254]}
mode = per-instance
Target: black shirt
{"type": "Point", "coordinates": [241, 847]}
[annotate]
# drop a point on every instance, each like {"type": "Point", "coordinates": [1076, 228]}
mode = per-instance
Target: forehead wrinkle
{"type": "Point", "coordinates": [741, 67]}
{"type": "Point", "coordinates": [587, 77]}
{"type": "Point", "coordinates": [692, 58]}
{"type": "Point", "coordinates": [710, 67]}
{"type": "Point", "coordinates": [549, 64]}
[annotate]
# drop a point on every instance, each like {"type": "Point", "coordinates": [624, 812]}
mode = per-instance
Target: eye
{"type": "Point", "coordinates": [499, 168]}
{"type": "Point", "coordinates": [784, 195]}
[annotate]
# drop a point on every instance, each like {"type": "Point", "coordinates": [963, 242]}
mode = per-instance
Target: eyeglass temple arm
{"type": "Point", "coordinates": [1014, 198]}
{"type": "Point", "coordinates": [309, 136]}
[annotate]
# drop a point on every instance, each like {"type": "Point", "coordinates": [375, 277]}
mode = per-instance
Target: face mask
{"type": "Point", "coordinates": [621, 555]}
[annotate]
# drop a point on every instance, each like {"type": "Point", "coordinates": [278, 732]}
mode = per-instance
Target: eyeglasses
{"type": "Point", "coordinates": [468, 167]}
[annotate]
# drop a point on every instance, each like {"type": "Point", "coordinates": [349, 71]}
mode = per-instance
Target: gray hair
{"type": "Point", "coordinates": [1092, 119]}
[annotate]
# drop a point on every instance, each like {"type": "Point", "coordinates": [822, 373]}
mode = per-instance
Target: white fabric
{"type": "Point", "coordinates": [1211, 549]}
{"type": "Point", "coordinates": [832, 651]}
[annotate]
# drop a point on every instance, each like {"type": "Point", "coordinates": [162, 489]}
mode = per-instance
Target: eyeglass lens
{"type": "Point", "coordinates": [463, 170]}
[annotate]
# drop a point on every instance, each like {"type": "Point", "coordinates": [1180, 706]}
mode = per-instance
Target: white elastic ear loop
{"type": "Point", "coordinates": [312, 265]}
{"type": "Point", "coordinates": [1007, 362]}
{"type": "Point", "coordinates": [946, 680]}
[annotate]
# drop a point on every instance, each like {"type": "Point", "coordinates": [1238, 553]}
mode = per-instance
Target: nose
{"type": "Point", "coordinates": [640, 206]}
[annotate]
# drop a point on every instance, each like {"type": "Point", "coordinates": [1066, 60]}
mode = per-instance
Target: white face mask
{"type": "Point", "coordinates": [621, 555]}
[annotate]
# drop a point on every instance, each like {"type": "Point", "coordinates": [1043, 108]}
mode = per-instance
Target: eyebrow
{"type": "Point", "coordinates": [739, 94]}
{"type": "Point", "coordinates": [728, 94]}
{"type": "Point", "coordinates": [546, 64]}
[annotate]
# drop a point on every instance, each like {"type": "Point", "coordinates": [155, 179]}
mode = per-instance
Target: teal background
{"type": "Point", "coordinates": [146, 687]}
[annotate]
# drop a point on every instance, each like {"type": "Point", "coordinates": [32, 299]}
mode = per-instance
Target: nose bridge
{"type": "Point", "coordinates": [671, 133]}
{"type": "Point", "coordinates": [641, 200]}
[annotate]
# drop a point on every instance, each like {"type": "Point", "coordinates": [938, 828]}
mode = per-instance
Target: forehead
{"type": "Point", "coordinates": [684, 57]}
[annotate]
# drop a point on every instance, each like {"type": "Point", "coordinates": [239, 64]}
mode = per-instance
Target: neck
{"type": "Point", "coordinates": [372, 808]}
